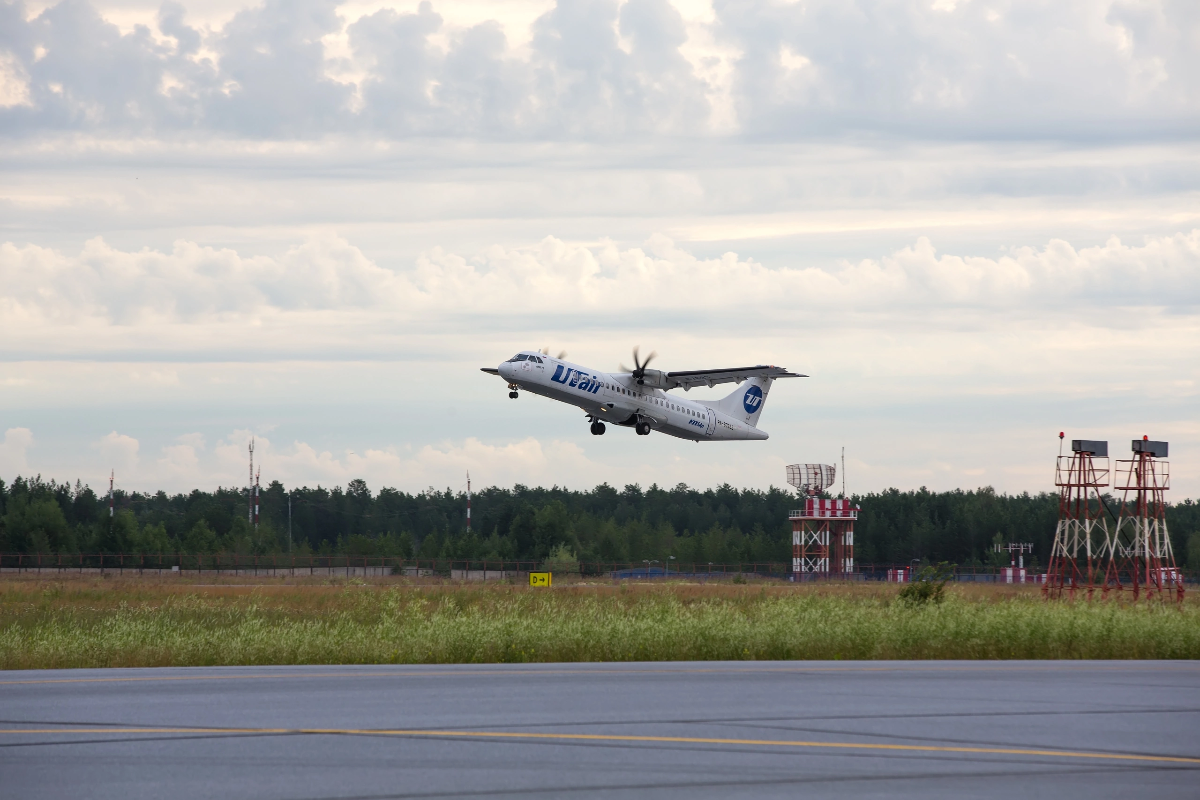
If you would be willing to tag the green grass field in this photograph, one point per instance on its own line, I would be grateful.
(140, 623)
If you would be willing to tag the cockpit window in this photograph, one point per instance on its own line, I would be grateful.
(518, 357)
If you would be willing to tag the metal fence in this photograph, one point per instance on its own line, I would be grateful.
(467, 569)
(454, 569)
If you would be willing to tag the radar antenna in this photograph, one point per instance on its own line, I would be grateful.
(812, 479)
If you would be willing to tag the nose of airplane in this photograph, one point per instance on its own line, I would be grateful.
(505, 370)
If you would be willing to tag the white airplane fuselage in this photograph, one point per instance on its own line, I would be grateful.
(617, 399)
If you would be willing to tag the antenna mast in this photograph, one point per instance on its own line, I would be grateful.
(468, 501)
(843, 470)
(250, 487)
(111, 475)
(256, 475)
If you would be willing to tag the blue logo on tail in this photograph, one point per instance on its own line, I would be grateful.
(752, 401)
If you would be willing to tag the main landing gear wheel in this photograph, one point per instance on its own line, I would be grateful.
(513, 395)
(643, 429)
(597, 429)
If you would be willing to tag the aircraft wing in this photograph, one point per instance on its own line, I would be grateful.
(711, 377)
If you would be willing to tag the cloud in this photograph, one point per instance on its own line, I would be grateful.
(13, 452)
(528, 461)
(966, 69)
(185, 466)
(594, 69)
(194, 284)
(120, 451)
(178, 461)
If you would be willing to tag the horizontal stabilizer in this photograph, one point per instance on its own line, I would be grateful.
(712, 377)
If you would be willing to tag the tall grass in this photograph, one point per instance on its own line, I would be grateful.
(47, 626)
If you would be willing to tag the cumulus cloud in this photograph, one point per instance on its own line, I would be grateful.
(601, 68)
(192, 282)
(955, 68)
(14, 450)
(197, 284)
(527, 460)
(184, 466)
(119, 451)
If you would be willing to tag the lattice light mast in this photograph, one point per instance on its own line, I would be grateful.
(1139, 550)
(823, 531)
(1082, 534)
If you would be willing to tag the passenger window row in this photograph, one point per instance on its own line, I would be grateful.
(656, 401)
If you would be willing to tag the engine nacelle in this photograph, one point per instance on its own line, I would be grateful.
(655, 379)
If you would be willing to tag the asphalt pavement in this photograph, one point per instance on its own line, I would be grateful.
(1065, 729)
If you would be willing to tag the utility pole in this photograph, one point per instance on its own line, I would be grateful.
(843, 470)
(468, 502)
(289, 523)
(111, 475)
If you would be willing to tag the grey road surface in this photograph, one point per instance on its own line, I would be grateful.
(696, 730)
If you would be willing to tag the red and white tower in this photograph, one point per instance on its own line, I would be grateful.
(250, 489)
(256, 476)
(822, 531)
(1139, 549)
(1015, 571)
(1082, 534)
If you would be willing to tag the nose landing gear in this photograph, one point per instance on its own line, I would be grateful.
(513, 395)
(512, 391)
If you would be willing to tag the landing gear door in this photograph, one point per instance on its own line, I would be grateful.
(712, 422)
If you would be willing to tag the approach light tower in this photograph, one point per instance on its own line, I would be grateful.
(1139, 549)
(1082, 535)
(1015, 571)
(822, 531)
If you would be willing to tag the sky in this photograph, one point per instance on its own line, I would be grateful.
(973, 223)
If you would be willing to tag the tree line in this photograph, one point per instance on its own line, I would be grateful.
(723, 525)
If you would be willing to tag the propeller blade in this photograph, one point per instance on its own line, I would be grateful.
(546, 351)
(639, 372)
(561, 355)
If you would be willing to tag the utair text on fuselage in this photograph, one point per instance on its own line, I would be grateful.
(640, 399)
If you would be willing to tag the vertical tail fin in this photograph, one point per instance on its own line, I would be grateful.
(747, 400)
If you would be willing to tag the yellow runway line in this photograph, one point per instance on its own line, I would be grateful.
(602, 737)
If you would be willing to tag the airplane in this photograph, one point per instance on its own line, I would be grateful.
(638, 398)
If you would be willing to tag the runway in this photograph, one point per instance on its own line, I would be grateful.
(663, 730)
